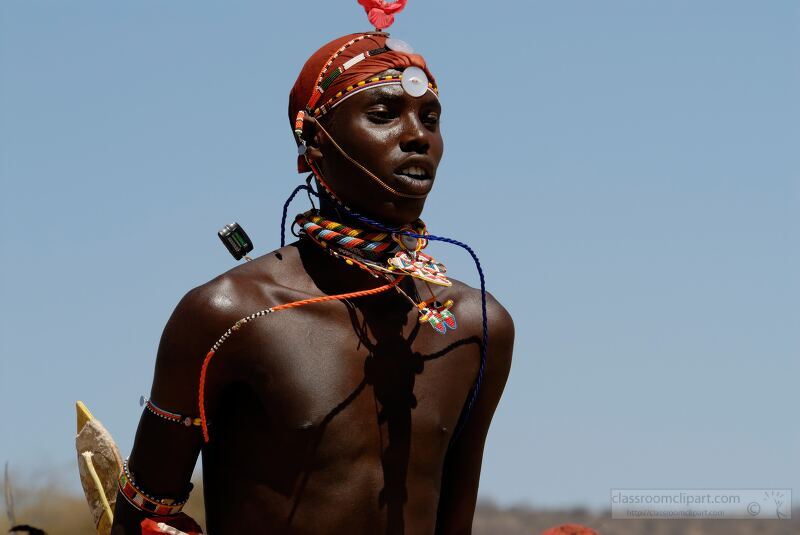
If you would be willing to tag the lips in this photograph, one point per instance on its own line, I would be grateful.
(414, 172)
(413, 186)
(415, 175)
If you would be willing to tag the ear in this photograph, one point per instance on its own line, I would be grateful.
(313, 138)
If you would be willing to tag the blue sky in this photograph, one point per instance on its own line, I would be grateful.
(628, 172)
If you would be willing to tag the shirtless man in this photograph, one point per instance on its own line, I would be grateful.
(337, 417)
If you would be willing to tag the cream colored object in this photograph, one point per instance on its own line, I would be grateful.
(99, 464)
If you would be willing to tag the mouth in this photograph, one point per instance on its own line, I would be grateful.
(416, 179)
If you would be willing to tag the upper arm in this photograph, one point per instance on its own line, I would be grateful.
(164, 452)
(461, 472)
(184, 342)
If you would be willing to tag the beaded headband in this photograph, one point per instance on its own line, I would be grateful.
(341, 96)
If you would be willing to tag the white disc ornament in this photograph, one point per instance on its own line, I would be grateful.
(398, 45)
(414, 81)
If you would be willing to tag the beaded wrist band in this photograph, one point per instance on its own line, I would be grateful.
(145, 502)
(188, 421)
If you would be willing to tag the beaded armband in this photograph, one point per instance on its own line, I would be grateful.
(188, 421)
(146, 502)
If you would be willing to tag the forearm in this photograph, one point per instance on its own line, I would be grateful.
(463, 527)
(461, 471)
(157, 475)
(127, 519)
(456, 510)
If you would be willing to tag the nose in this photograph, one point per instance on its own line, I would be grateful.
(414, 137)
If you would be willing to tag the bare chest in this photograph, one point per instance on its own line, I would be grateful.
(347, 382)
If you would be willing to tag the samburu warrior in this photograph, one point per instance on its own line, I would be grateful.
(343, 383)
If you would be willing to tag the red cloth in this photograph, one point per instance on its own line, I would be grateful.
(570, 529)
(181, 524)
(367, 68)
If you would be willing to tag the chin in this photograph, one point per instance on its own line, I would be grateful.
(371, 200)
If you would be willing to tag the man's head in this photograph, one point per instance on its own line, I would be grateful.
(376, 144)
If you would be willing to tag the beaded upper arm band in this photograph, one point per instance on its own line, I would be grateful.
(151, 407)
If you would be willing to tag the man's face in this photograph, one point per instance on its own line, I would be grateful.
(396, 137)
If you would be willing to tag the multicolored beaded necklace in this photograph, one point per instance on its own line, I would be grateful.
(387, 253)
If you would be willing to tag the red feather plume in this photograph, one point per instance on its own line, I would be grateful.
(381, 13)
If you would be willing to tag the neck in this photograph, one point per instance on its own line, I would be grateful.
(333, 276)
(386, 213)
(330, 209)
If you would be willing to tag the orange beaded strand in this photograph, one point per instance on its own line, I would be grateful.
(236, 326)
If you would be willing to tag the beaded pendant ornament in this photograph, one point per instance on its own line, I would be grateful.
(441, 317)
(368, 250)
(421, 266)
(411, 261)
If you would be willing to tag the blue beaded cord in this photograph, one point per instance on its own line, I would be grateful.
(473, 395)
(297, 190)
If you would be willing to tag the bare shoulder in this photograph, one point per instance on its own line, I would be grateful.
(205, 312)
(469, 300)
(240, 290)
(499, 321)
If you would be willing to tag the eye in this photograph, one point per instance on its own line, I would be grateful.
(430, 118)
(380, 115)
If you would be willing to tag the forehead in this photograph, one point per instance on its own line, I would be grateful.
(389, 94)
